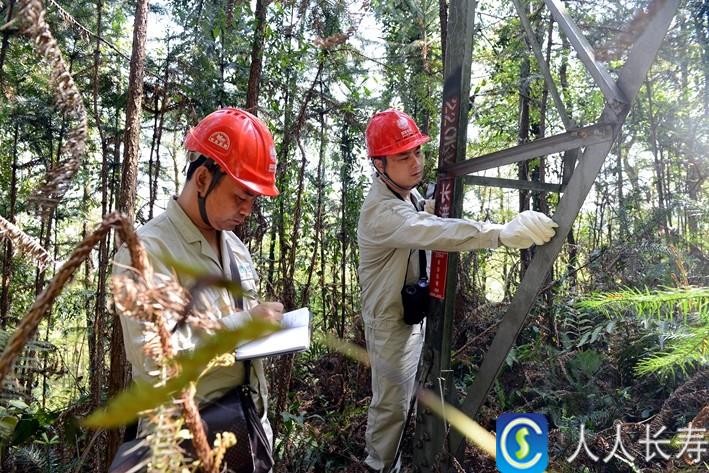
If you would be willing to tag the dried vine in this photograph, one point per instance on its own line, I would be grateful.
(44, 301)
(142, 297)
(68, 100)
(25, 243)
(165, 452)
(148, 300)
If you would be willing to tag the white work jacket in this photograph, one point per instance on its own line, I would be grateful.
(173, 234)
(388, 230)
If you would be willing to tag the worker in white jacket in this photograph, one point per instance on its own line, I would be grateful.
(232, 162)
(390, 231)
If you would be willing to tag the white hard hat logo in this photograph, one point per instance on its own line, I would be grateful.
(220, 139)
(274, 163)
(404, 126)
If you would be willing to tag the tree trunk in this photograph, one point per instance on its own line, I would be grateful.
(5, 42)
(621, 204)
(523, 137)
(658, 160)
(540, 199)
(161, 103)
(96, 322)
(297, 211)
(284, 287)
(152, 175)
(343, 265)
(569, 159)
(305, 298)
(252, 91)
(222, 68)
(7, 253)
(129, 176)
(443, 17)
(694, 173)
(120, 371)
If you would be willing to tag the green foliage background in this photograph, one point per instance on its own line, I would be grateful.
(591, 353)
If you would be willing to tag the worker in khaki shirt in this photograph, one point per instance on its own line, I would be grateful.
(232, 162)
(390, 231)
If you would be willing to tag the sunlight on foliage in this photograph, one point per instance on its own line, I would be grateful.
(473, 431)
(457, 419)
(684, 352)
(143, 396)
(652, 304)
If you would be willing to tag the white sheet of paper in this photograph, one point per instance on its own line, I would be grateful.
(294, 337)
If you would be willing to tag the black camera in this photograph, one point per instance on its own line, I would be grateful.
(415, 299)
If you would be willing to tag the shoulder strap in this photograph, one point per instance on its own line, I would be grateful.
(234, 268)
(422, 253)
(422, 265)
(239, 305)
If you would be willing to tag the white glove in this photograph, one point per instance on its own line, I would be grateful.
(429, 206)
(526, 229)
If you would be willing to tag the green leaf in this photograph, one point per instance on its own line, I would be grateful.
(143, 396)
(19, 403)
(7, 426)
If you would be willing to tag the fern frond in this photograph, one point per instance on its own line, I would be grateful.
(684, 351)
(687, 342)
(164, 440)
(667, 304)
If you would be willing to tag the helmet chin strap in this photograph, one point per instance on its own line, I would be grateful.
(388, 180)
(217, 175)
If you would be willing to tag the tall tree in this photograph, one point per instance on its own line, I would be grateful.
(5, 42)
(119, 374)
(7, 252)
(256, 57)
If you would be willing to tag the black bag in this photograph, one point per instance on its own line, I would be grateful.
(234, 412)
(415, 297)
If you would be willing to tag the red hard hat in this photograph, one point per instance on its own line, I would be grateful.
(392, 132)
(242, 146)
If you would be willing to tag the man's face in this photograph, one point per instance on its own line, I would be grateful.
(406, 169)
(229, 204)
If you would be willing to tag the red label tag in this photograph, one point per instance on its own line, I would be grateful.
(439, 270)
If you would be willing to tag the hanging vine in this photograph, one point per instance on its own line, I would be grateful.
(30, 15)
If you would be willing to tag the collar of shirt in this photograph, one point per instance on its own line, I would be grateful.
(189, 230)
(384, 193)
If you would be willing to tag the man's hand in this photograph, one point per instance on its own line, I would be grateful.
(429, 206)
(268, 311)
(526, 229)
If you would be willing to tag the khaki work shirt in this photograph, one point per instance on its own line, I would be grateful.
(387, 232)
(173, 234)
